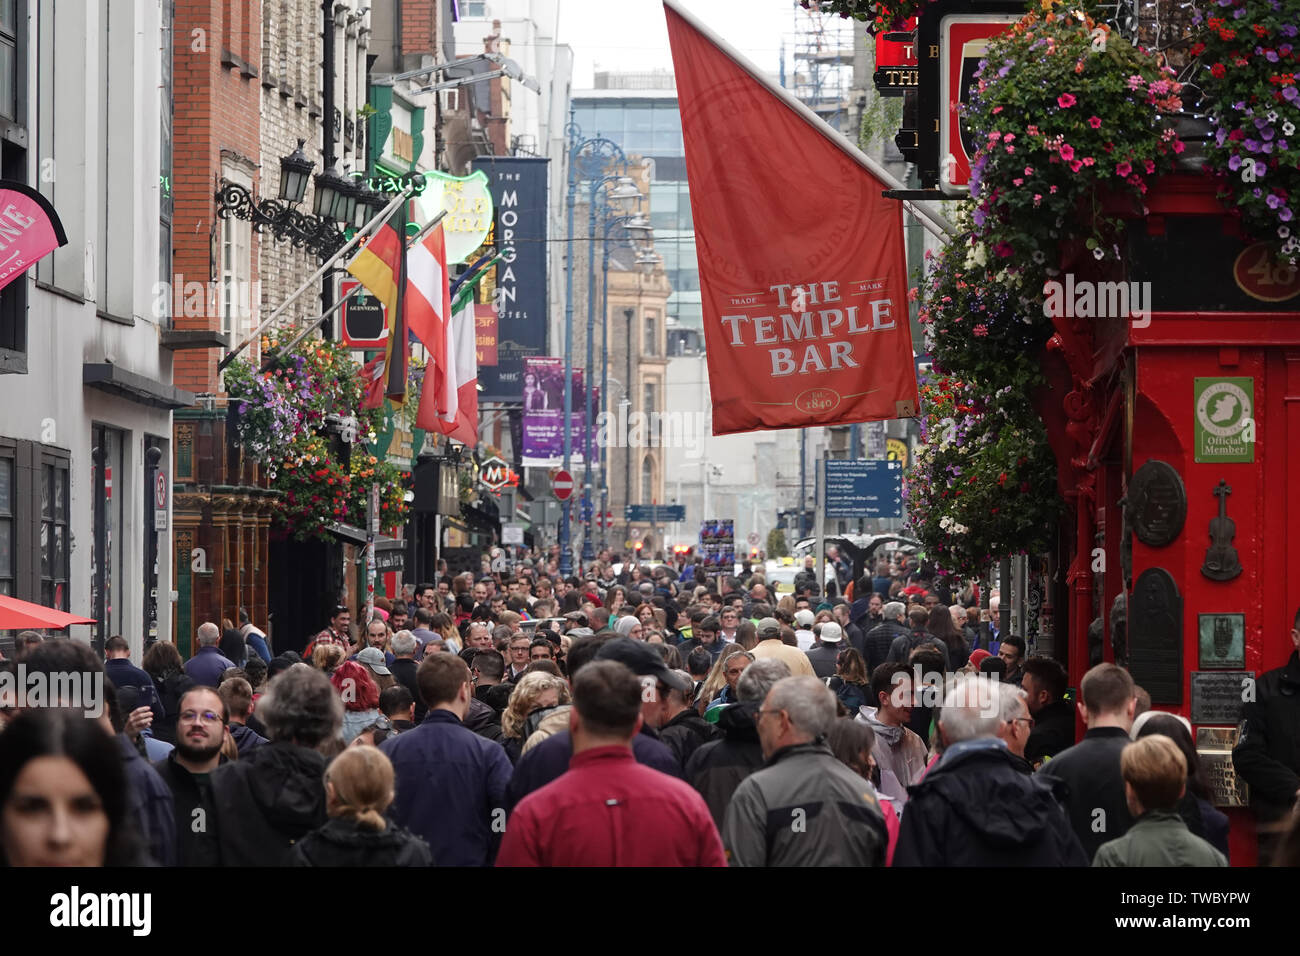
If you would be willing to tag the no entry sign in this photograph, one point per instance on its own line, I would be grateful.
(562, 484)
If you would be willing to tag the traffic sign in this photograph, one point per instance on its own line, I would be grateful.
(562, 485)
(160, 501)
(654, 514)
(752, 538)
(863, 488)
(494, 473)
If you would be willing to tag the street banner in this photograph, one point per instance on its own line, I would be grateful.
(518, 188)
(802, 269)
(29, 229)
(543, 415)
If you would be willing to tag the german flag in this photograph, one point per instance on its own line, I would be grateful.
(380, 266)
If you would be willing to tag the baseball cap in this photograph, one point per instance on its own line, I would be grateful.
(643, 660)
(374, 658)
(804, 618)
(831, 632)
(770, 627)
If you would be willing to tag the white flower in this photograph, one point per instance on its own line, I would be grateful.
(977, 256)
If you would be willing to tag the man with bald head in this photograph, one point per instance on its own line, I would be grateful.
(207, 666)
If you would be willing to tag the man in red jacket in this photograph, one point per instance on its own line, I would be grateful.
(609, 810)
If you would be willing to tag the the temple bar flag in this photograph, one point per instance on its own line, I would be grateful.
(802, 268)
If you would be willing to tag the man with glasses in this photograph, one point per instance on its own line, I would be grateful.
(519, 650)
(730, 621)
(200, 731)
(1017, 725)
(768, 822)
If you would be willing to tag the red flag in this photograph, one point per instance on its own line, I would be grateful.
(428, 310)
(372, 383)
(802, 269)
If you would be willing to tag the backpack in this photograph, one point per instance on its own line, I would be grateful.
(850, 695)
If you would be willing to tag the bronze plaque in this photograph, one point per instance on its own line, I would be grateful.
(1217, 696)
(1155, 636)
(1156, 504)
(1214, 747)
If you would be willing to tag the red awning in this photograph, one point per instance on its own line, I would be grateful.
(15, 614)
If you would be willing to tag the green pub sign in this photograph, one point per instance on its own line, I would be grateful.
(1225, 419)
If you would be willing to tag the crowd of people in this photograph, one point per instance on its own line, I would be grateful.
(659, 715)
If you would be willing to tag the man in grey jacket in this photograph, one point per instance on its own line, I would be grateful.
(804, 808)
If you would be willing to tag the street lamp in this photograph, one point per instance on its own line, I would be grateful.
(328, 186)
(295, 169)
(594, 155)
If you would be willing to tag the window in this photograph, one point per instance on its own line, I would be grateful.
(473, 8)
(647, 479)
(237, 302)
(9, 59)
(165, 152)
(7, 526)
(35, 510)
(651, 398)
(108, 484)
(651, 326)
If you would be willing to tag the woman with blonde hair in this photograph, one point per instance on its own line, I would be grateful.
(786, 604)
(445, 627)
(536, 695)
(718, 681)
(746, 635)
(327, 657)
(358, 789)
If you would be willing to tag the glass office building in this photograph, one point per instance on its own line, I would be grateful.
(644, 121)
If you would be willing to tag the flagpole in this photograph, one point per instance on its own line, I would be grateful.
(938, 225)
(315, 276)
(315, 323)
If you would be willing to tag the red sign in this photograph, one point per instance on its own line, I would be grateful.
(29, 230)
(803, 279)
(160, 491)
(562, 484)
(963, 41)
(485, 334)
(897, 52)
(1261, 275)
(365, 322)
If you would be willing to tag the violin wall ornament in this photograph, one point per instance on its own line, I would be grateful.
(1221, 562)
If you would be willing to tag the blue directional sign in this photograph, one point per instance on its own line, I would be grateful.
(862, 488)
(654, 514)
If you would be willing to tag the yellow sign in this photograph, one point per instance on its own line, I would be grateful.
(896, 450)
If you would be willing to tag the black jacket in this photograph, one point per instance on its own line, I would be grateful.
(878, 641)
(978, 808)
(340, 842)
(1094, 795)
(685, 732)
(267, 801)
(404, 671)
(196, 833)
(1053, 731)
(484, 721)
(823, 658)
(717, 767)
(1267, 755)
(170, 690)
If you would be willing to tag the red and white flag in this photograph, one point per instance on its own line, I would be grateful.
(802, 267)
(461, 420)
(428, 311)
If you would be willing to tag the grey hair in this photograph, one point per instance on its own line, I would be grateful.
(209, 634)
(301, 706)
(759, 677)
(972, 709)
(893, 611)
(809, 703)
(403, 644)
(1012, 696)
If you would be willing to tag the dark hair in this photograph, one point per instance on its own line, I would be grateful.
(116, 643)
(1048, 674)
(395, 700)
(1106, 689)
(583, 651)
(919, 616)
(440, 678)
(162, 660)
(607, 696)
(465, 602)
(993, 665)
(256, 670)
(63, 654)
(930, 658)
(52, 732)
(882, 679)
(699, 662)
(541, 642)
(940, 624)
(490, 664)
(1197, 781)
(849, 739)
(545, 666)
(233, 646)
(850, 665)
(672, 656)
(1017, 642)
(710, 623)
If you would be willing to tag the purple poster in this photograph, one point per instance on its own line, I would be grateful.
(543, 416)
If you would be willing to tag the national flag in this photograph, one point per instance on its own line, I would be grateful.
(372, 382)
(456, 414)
(428, 308)
(802, 267)
(380, 266)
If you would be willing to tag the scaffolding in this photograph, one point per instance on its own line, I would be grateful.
(823, 63)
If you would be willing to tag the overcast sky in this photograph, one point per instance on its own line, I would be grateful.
(632, 35)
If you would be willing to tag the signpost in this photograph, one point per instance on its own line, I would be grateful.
(862, 488)
(654, 514)
(160, 501)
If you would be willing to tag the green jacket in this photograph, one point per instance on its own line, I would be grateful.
(1158, 838)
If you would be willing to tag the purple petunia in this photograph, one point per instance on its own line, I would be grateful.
(1272, 201)
(1285, 214)
(1271, 56)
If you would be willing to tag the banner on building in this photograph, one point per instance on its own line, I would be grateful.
(29, 230)
(803, 278)
(518, 188)
(543, 415)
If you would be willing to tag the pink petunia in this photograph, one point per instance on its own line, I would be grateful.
(1011, 149)
(1123, 169)
(980, 330)
(1017, 181)
(1094, 122)
(1067, 152)
(1066, 100)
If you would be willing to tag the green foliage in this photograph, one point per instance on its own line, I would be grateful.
(776, 546)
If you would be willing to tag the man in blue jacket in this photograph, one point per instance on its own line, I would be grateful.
(207, 666)
(451, 782)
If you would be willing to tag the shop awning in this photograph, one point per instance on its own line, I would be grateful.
(118, 381)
